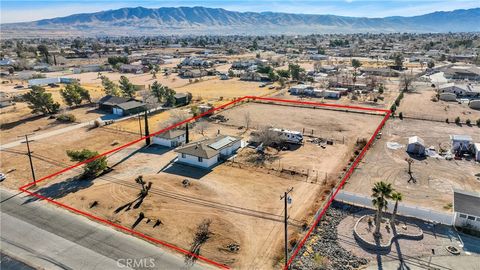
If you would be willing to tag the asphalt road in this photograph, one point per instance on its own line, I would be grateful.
(45, 236)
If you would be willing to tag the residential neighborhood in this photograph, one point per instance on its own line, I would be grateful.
(203, 137)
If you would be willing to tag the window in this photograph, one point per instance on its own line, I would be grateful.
(471, 217)
(184, 155)
(200, 159)
(463, 216)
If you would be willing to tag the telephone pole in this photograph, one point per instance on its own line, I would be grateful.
(30, 157)
(140, 125)
(286, 200)
(147, 132)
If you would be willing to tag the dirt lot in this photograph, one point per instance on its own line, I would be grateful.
(436, 178)
(49, 154)
(419, 104)
(219, 194)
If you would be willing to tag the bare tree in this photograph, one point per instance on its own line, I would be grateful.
(201, 236)
(406, 82)
(201, 126)
(267, 137)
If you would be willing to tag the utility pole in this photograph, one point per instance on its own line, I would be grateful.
(140, 125)
(147, 133)
(30, 158)
(286, 200)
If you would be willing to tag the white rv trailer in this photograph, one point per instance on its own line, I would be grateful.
(289, 136)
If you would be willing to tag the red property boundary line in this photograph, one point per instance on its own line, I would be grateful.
(24, 188)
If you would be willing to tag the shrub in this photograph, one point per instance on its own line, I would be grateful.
(468, 122)
(447, 121)
(66, 117)
(400, 115)
(457, 120)
(478, 122)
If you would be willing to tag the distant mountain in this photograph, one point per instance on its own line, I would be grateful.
(201, 20)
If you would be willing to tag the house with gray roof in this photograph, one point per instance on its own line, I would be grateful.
(208, 152)
(170, 138)
(466, 209)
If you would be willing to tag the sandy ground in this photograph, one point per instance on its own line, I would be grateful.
(436, 178)
(49, 155)
(219, 195)
(419, 104)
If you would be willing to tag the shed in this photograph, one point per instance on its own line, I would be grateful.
(461, 143)
(476, 151)
(416, 146)
(465, 207)
(182, 99)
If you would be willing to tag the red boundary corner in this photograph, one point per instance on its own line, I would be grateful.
(178, 249)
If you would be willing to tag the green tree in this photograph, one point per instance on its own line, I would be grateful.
(295, 71)
(44, 51)
(355, 64)
(74, 94)
(381, 191)
(283, 73)
(158, 91)
(397, 197)
(40, 101)
(398, 58)
(126, 87)
(109, 87)
(92, 168)
(431, 64)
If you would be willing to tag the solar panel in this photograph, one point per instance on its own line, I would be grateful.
(222, 142)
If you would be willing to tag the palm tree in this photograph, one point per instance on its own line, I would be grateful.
(397, 197)
(381, 192)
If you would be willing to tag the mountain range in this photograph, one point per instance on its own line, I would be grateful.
(202, 20)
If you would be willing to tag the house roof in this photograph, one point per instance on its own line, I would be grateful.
(466, 202)
(112, 100)
(208, 148)
(180, 95)
(130, 105)
(171, 134)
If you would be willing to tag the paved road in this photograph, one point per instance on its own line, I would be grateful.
(45, 135)
(48, 237)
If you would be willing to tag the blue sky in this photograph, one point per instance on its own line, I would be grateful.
(28, 10)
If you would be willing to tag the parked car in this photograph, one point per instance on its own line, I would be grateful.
(2, 177)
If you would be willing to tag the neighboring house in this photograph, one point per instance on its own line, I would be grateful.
(460, 90)
(474, 104)
(416, 146)
(463, 73)
(135, 69)
(107, 103)
(384, 72)
(193, 73)
(301, 89)
(129, 108)
(461, 143)
(47, 81)
(170, 138)
(253, 76)
(326, 93)
(208, 152)
(182, 99)
(466, 209)
(476, 151)
(91, 68)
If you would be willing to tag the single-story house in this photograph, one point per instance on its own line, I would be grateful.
(107, 102)
(301, 89)
(135, 69)
(170, 138)
(208, 152)
(327, 93)
(461, 143)
(193, 73)
(465, 207)
(463, 73)
(476, 151)
(416, 146)
(474, 104)
(384, 72)
(448, 97)
(129, 107)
